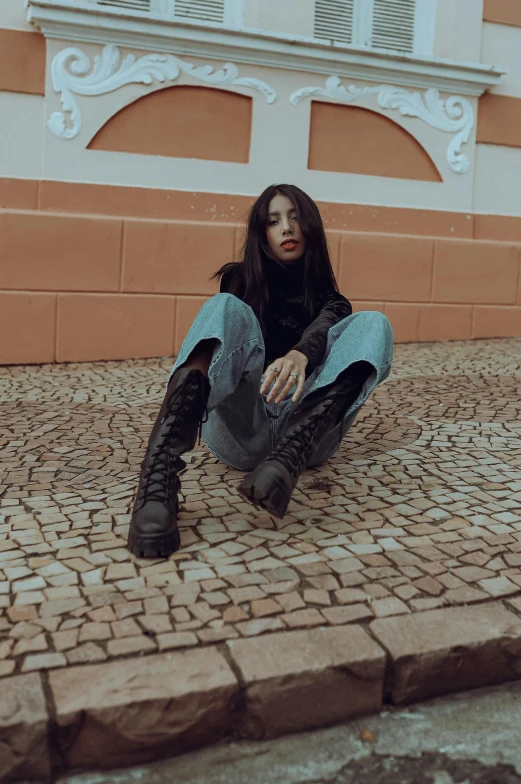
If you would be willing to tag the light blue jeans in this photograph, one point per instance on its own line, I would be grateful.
(242, 427)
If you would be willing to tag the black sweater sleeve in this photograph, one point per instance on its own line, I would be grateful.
(313, 343)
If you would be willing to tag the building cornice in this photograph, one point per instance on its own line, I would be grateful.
(72, 20)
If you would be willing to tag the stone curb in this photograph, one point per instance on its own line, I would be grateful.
(442, 651)
(137, 709)
(306, 679)
(24, 729)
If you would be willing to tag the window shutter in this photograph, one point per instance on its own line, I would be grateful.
(334, 20)
(205, 10)
(134, 5)
(394, 25)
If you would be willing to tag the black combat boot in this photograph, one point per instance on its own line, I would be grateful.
(153, 526)
(272, 482)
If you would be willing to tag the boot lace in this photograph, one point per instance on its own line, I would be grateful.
(293, 448)
(156, 484)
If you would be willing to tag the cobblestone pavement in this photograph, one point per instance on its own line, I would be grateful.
(419, 509)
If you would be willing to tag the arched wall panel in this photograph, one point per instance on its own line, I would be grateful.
(182, 122)
(360, 141)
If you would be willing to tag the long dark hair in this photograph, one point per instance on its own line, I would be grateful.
(319, 278)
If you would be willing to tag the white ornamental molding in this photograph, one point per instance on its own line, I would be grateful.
(73, 74)
(454, 115)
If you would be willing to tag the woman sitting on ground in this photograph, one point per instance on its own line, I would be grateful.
(272, 373)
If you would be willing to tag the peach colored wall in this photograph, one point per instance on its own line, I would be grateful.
(79, 288)
(182, 122)
(435, 289)
(22, 62)
(154, 203)
(352, 139)
(94, 265)
(499, 120)
(89, 198)
(507, 12)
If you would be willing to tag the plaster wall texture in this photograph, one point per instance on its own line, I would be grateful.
(12, 15)
(501, 43)
(375, 199)
(21, 139)
(459, 29)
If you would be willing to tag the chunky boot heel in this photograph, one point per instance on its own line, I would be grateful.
(271, 484)
(157, 536)
(269, 487)
(153, 526)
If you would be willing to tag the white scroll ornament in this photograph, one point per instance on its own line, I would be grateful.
(73, 74)
(453, 115)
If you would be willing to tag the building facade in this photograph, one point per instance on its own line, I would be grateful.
(135, 135)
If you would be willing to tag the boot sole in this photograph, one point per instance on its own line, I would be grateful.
(264, 489)
(154, 547)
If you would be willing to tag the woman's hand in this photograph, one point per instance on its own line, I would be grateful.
(282, 372)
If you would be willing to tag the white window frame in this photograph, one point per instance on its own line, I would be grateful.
(77, 20)
(233, 11)
(424, 25)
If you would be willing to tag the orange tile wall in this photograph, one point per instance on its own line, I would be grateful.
(85, 287)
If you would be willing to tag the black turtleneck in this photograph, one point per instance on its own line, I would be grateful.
(287, 324)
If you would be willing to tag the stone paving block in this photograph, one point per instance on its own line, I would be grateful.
(24, 749)
(122, 713)
(431, 466)
(304, 679)
(350, 614)
(452, 649)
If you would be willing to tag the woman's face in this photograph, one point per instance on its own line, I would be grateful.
(283, 232)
